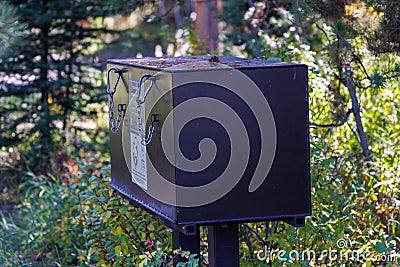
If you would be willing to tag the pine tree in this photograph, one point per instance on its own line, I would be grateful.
(51, 73)
(11, 30)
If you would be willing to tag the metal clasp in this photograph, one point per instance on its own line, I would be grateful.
(114, 125)
(142, 79)
(139, 101)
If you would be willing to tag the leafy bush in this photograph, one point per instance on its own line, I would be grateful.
(355, 199)
(353, 221)
(76, 219)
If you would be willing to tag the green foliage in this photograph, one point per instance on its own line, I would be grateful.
(11, 30)
(76, 219)
(353, 199)
(118, 232)
(159, 258)
(347, 207)
(51, 81)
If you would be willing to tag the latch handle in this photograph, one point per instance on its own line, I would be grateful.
(114, 125)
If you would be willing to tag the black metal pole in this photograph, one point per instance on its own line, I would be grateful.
(223, 245)
(186, 243)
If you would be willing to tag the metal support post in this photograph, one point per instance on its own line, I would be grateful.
(223, 245)
(186, 243)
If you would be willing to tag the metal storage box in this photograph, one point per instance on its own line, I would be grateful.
(211, 139)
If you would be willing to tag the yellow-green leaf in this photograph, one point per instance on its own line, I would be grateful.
(118, 231)
(125, 248)
(150, 227)
(118, 250)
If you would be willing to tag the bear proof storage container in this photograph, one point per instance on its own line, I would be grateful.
(200, 140)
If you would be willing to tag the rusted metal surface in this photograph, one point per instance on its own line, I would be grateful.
(191, 63)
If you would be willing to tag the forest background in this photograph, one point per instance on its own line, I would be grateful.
(56, 206)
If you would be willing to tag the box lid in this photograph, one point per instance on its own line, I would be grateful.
(194, 63)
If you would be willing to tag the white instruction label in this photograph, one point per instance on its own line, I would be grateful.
(138, 155)
(132, 105)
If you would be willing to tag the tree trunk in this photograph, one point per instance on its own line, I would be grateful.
(45, 134)
(363, 140)
(206, 23)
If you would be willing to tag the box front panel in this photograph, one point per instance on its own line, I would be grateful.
(243, 138)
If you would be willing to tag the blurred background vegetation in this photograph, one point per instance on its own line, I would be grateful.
(56, 208)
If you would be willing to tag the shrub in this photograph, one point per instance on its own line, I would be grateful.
(76, 219)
